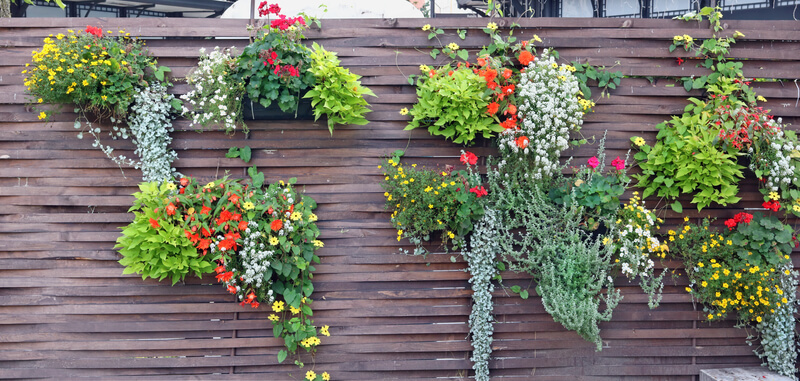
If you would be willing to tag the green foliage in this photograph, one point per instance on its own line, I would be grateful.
(243, 153)
(764, 242)
(154, 244)
(269, 79)
(570, 267)
(605, 79)
(452, 102)
(427, 201)
(687, 159)
(99, 74)
(338, 93)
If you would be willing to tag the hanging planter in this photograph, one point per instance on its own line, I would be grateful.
(255, 111)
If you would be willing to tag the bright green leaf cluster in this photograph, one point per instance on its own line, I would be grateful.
(337, 93)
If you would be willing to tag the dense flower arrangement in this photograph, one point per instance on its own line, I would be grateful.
(216, 97)
(260, 242)
(740, 269)
(274, 68)
(426, 201)
(108, 78)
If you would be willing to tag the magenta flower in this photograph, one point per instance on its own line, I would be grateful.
(618, 164)
(593, 162)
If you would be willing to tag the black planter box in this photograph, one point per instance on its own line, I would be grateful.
(255, 111)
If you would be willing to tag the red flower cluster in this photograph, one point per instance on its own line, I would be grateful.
(479, 192)
(286, 70)
(264, 9)
(283, 23)
(618, 163)
(772, 205)
(502, 86)
(737, 219)
(469, 158)
(98, 32)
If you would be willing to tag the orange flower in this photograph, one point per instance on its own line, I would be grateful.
(431, 73)
(154, 223)
(492, 85)
(507, 73)
(492, 108)
(511, 109)
(276, 225)
(481, 61)
(243, 225)
(232, 289)
(522, 142)
(171, 209)
(490, 75)
(184, 181)
(525, 57)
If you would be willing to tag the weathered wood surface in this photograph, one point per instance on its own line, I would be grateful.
(67, 311)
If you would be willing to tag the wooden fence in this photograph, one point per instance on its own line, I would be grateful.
(67, 312)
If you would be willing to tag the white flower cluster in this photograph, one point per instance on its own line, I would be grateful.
(150, 123)
(549, 109)
(781, 164)
(636, 244)
(481, 260)
(255, 259)
(216, 96)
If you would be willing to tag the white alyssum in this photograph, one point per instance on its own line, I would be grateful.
(549, 109)
(256, 260)
(216, 97)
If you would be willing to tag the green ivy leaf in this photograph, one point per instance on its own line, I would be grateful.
(282, 355)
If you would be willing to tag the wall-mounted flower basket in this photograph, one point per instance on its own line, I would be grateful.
(255, 111)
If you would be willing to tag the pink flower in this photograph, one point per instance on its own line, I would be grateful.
(618, 164)
(593, 162)
(469, 158)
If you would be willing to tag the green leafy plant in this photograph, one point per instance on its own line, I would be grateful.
(453, 103)
(337, 92)
(154, 244)
(243, 153)
(687, 158)
(604, 78)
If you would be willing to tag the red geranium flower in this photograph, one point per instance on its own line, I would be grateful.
(94, 31)
(205, 209)
(479, 192)
(469, 158)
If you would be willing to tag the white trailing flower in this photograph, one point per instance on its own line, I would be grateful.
(549, 108)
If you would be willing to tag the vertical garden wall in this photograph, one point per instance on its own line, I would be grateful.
(66, 310)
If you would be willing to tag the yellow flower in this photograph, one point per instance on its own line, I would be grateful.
(42, 115)
(704, 284)
(639, 141)
(710, 316)
(209, 185)
(430, 206)
(324, 330)
(700, 264)
(248, 206)
(296, 216)
(796, 208)
(677, 38)
(404, 111)
(326, 376)
(774, 196)
(273, 317)
(273, 241)
(451, 235)
(293, 310)
(491, 26)
(278, 306)
(312, 217)
(424, 68)
(318, 243)
(536, 38)
(688, 289)
(452, 46)
(171, 186)
(310, 375)
(426, 27)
